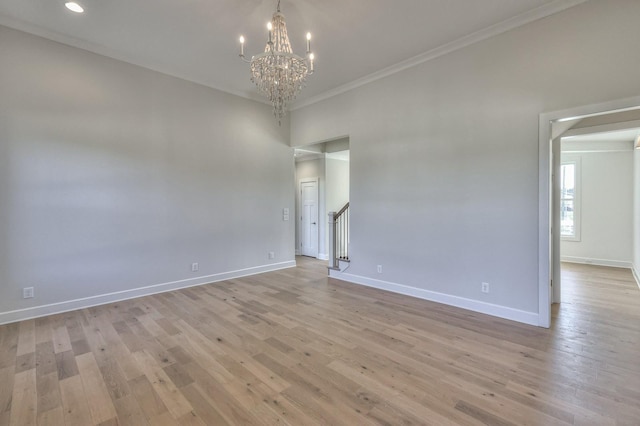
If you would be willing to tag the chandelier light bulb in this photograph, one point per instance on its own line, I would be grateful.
(277, 72)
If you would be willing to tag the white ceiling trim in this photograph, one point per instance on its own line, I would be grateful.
(603, 128)
(494, 30)
(535, 14)
(110, 53)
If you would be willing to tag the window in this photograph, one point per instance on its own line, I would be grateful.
(570, 199)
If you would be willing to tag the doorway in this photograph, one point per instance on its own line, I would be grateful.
(328, 164)
(608, 117)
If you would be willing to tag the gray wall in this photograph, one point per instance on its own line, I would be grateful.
(606, 210)
(444, 155)
(636, 214)
(337, 192)
(113, 177)
(337, 184)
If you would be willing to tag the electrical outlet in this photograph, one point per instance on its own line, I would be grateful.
(272, 255)
(27, 292)
(485, 287)
(379, 269)
(195, 267)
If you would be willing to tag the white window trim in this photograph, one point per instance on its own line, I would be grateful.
(577, 198)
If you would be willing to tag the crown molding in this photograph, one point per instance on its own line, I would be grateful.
(494, 30)
(502, 27)
(101, 50)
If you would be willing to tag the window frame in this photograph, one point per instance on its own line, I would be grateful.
(576, 162)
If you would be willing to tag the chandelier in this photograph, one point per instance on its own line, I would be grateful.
(278, 72)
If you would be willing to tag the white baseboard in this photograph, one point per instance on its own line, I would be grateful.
(297, 252)
(636, 275)
(323, 256)
(525, 317)
(597, 262)
(101, 299)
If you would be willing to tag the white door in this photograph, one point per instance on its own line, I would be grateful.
(309, 218)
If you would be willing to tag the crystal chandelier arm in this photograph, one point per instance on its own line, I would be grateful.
(279, 54)
(242, 50)
(277, 72)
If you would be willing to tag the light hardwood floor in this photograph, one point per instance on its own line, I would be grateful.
(294, 347)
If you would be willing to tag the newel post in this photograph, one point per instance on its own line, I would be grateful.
(333, 260)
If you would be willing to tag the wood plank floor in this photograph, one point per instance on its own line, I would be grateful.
(294, 347)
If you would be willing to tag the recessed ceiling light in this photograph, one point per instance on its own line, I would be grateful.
(74, 7)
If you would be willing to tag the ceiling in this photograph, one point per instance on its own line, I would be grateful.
(611, 131)
(601, 141)
(197, 40)
(627, 135)
(301, 154)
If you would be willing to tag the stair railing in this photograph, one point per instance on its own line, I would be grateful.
(339, 237)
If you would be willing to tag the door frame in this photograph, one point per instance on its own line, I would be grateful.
(547, 255)
(300, 210)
